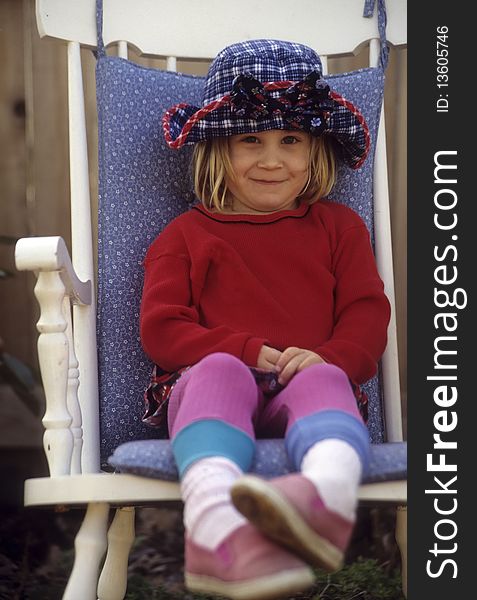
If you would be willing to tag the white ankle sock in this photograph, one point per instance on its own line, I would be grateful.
(334, 467)
(209, 515)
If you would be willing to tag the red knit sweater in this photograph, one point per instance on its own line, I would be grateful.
(231, 283)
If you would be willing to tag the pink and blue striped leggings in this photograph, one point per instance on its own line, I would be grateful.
(217, 409)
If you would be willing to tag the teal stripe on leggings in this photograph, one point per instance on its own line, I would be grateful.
(211, 437)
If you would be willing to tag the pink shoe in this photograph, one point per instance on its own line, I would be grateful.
(290, 511)
(246, 566)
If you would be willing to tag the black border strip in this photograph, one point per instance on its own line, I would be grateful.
(442, 352)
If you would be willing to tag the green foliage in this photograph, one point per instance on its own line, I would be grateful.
(365, 579)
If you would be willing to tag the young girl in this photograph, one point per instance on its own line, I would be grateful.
(263, 308)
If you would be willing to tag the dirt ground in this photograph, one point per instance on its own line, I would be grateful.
(36, 551)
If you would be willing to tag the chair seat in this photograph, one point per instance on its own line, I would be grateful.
(153, 458)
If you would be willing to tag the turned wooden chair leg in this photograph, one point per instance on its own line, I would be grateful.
(401, 538)
(113, 579)
(90, 546)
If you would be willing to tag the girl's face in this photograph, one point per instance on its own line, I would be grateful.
(271, 169)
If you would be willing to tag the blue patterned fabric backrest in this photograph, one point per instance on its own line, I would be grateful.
(142, 186)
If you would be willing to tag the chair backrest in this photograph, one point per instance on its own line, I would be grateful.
(143, 184)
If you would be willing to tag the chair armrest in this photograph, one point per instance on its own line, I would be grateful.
(56, 289)
(50, 254)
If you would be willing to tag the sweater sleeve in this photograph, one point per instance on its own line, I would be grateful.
(171, 333)
(362, 310)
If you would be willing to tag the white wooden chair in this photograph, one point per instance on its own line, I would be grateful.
(67, 346)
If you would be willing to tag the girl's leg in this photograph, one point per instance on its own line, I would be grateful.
(328, 442)
(210, 423)
(212, 411)
(317, 404)
(325, 436)
(211, 416)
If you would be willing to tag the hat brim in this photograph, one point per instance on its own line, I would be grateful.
(185, 124)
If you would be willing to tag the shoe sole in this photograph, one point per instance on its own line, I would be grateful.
(269, 587)
(278, 519)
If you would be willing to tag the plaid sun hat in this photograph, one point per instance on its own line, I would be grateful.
(259, 85)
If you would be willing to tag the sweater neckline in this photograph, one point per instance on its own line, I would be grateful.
(254, 218)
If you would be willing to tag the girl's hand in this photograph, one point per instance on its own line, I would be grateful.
(267, 358)
(293, 360)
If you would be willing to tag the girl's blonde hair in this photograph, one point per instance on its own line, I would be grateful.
(212, 166)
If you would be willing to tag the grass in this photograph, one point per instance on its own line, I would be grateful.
(365, 579)
(36, 557)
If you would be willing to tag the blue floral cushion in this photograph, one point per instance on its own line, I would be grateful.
(143, 184)
(154, 458)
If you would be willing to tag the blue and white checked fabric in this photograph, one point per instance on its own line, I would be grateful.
(268, 61)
